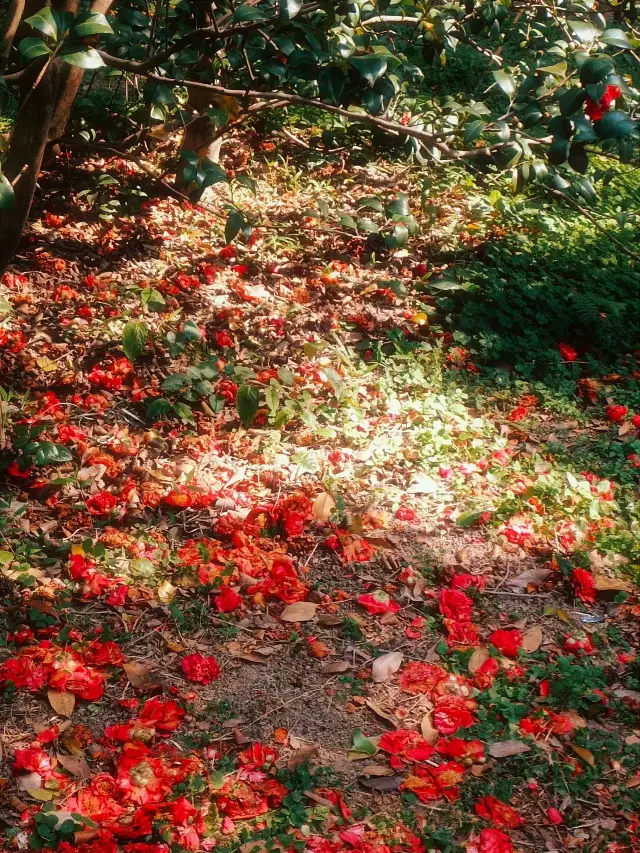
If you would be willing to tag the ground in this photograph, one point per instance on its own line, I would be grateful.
(305, 543)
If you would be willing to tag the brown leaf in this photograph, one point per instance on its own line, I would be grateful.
(383, 783)
(377, 770)
(506, 748)
(335, 667)
(378, 711)
(323, 507)
(44, 607)
(530, 576)
(578, 721)
(62, 703)
(479, 656)
(603, 583)
(429, 733)
(385, 666)
(532, 639)
(585, 754)
(302, 754)
(327, 620)
(76, 765)
(301, 611)
(141, 677)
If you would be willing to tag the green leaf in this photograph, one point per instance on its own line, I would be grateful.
(583, 30)
(578, 159)
(176, 382)
(7, 195)
(467, 519)
(615, 124)
(247, 402)
(191, 331)
(48, 453)
(399, 237)
(473, 130)
(445, 284)
(81, 57)
(595, 69)
(44, 22)
(289, 9)
(183, 411)
(506, 82)
(272, 396)
(571, 100)
(91, 24)
(331, 82)
(559, 151)
(248, 13)
(235, 224)
(585, 189)
(248, 182)
(152, 299)
(399, 206)
(31, 48)
(134, 338)
(371, 67)
(616, 38)
(363, 744)
(133, 17)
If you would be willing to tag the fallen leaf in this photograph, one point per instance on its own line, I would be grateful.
(479, 656)
(383, 783)
(532, 639)
(560, 614)
(422, 484)
(585, 754)
(326, 620)
(76, 765)
(166, 592)
(301, 611)
(429, 733)
(506, 748)
(376, 770)
(141, 677)
(389, 718)
(575, 718)
(603, 583)
(385, 666)
(323, 507)
(335, 667)
(62, 703)
(302, 754)
(530, 576)
(43, 795)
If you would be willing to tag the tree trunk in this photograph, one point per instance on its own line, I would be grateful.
(9, 29)
(22, 167)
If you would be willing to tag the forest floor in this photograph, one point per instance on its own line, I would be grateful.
(285, 567)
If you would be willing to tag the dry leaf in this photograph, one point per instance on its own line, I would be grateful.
(377, 770)
(530, 576)
(326, 620)
(506, 748)
(302, 754)
(385, 666)
(323, 507)
(585, 754)
(479, 656)
(335, 667)
(602, 583)
(141, 677)
(62, 703)
(575, 718)
(301, 611)
(383, 783)
(532, 639)
(429, 733)
(43, 795)
(76, 765)
(166, 592)
(384, 715)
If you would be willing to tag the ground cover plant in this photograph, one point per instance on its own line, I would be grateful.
(320, 449)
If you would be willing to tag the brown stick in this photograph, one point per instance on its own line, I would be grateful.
(9, 27)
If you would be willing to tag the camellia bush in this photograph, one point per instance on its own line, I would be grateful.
(561, 81)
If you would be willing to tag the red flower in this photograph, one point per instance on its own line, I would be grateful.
(200, 669)
(635, 420)
(228, 600)
(102, 503)
(405, 513)
(568, 352)
(224, 339)
(378, 602)
(579, 644)
(555, 816)
(103, 654)
(464, 581)
(406, 743)
(517, 414)
(418, 677)
(596, 109)
(33, 759)
(455, 604)
(26, 674)
(293, 523)
(452, 713)
(460, 633)
(584, 584)
(616, 413)
(469, 751)
(507, 641)
(491, 841)
(499, 813)
(162, 714)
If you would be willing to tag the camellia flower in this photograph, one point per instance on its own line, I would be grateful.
(491, 841)
(162, 714)
(584, 584)
(378, 602)
(579, 644)
(517, 414)
(228, 600)
(467, 751)
(507, 641)
(102, 503)
(616, 413)
(200, 669)
(418, 677)
(455, 604)
(596, 109)
(224, 339)
(406, 743)
(568, 352)
(452, 713)
(499, 813)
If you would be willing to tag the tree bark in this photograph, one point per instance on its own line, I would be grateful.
(9, 29)
(22, 167)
